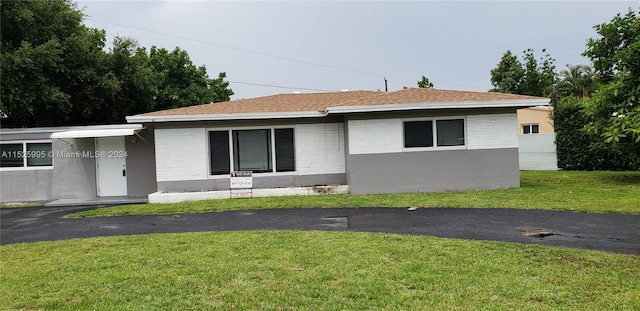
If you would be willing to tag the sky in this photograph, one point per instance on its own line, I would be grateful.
(271, 48)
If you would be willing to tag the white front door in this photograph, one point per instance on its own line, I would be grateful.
(111, 166)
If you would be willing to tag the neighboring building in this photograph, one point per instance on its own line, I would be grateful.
(411, 140)
(537, 139)
(77, 163)
(535, 120)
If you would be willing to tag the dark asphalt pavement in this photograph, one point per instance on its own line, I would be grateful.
(606, 232)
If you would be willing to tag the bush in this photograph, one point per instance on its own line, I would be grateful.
(579, 151)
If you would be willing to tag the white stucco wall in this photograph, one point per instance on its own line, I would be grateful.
(320, 148)
(181, 154)
(492, 131)
(375, 136)
(487, 131)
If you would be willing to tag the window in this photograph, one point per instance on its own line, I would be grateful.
(285, 152)
(252, 151)
(23, 154)
(256, 150)
(530, 129)
(219, 152)
(450, 132)
(447, 132)
(418, 134)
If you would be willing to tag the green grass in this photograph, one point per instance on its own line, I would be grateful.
(21, 204)
(596, 192)
(291, 270)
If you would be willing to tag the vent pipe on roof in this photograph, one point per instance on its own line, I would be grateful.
(385, 84)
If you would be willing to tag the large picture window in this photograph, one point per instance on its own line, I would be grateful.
(256, 150)
(25, 155)
(252, 151)
(434, 133)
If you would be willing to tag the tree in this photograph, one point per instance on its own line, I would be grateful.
(54, 68)
(56, 71)
(532, 77)
(507, 76)
(138, 83)
(576, 80)
(424, 83)
(615, 107)
(182, 83)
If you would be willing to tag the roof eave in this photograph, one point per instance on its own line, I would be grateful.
(223, 117)
(440, 105)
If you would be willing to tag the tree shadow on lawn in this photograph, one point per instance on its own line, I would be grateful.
(623, 178)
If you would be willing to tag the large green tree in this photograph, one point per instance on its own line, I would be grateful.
(615, 54)
(56, 71)
(530, 77)
(182, 83)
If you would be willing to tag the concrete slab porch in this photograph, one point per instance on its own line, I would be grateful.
(97, 201)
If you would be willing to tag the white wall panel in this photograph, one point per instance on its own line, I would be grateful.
(181, 154)
(538, 152)
(375, 136)
(320, 148)
(492, 131)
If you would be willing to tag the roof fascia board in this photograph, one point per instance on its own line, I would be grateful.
(38, 130)
(96, 133)
(440, 105)
(223, 117)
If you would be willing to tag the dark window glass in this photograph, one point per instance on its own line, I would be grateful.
(252, 151)
(526, 129)
(11, 155)
(450, 132)
(418, 134)
(39, 154)
(285, 152)
(219, 151)
(535, 129)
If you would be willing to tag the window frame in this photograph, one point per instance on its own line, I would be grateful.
(434, 132)
(272, 143)
(530, 126)
(25, 166)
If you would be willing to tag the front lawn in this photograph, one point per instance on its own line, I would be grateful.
(597, 192)
(291, 270)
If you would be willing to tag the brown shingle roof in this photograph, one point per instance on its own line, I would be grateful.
(322, 101)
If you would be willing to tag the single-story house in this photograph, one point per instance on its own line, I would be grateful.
(411, 140)
(77, 163)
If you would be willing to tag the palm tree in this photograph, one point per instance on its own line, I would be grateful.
(577, 80)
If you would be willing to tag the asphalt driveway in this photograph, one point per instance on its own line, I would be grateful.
(606, 232)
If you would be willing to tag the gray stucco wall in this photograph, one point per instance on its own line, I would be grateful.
(432, 171)
(258, 182)
(141, 164)
(26, 185)
(74, 177)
